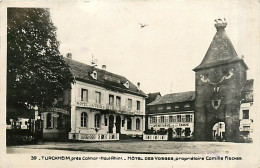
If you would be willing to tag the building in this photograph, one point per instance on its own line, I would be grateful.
(247, 112)
(219, 80)
(150, 98)
(172, 114)
(102, 106)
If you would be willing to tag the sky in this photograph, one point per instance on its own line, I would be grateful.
(162, 54)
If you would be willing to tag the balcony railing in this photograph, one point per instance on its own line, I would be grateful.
(99, 137)
(123, 110)
(151, 137)
(115, 108)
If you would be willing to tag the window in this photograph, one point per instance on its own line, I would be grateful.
(170, 119)
(105, 121)
(84, 95)
(123, 123)
(183, 119)
(154, 119)
(166, 119)
(188, 118)
(97, 121)
(94, 74)
(215, 103)
(176, 107)
(174, 119)
(187, 105)
(245, 114)
(126, 84)
(60, 121)
(98, 97)
(137, 124)
(169, 107)
(130, 104)
(111, 99)
(152, 108)
(118, 101)
(83, 120)
(129, 123)
(178, 118)
(49, 120)
(137, 105)
(160, 107)
(246, 128)
(162, 119)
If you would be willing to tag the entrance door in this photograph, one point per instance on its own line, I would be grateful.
(187, 132)
(111, 124)
(178, 132)
(118, 124)
(218, 131)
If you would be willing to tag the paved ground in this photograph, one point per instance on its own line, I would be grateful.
(136, 146)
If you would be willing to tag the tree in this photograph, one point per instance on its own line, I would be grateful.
(36, 71)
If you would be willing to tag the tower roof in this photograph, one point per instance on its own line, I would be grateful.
(221, 50)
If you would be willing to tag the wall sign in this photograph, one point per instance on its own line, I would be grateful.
(91, 105)
(57, 110)
(172, 125)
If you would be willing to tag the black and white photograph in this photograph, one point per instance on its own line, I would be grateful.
(130, 83)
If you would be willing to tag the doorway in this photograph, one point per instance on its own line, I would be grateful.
(118, 124)
(218, 131)
(111, 124)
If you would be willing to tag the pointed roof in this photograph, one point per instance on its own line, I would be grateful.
(221, 50)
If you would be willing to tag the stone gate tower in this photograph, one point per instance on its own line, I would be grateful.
(219, 81)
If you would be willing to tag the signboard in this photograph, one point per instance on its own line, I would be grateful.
(180, 125)
(91, 105)
(58, 110)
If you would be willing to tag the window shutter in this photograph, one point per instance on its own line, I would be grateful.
(91, 96)
(103, 98)
(126, 103)
(55, 122)
(78, 94)
(45, 120)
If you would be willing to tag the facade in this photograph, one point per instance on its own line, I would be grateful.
(103, 105)
(247, 112)
(150, 98)
(172, 114)
(219, 80)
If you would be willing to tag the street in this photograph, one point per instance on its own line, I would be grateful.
(136, 146)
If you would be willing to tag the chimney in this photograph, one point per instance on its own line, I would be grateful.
(138, 85)
(69, 55)
(104, 67)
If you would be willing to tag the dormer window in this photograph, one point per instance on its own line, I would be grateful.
(94, 74)
(187, 105)
(126, 84)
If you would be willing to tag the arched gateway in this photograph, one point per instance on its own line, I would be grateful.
(219, 80)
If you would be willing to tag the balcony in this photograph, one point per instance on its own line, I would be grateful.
(123, 110)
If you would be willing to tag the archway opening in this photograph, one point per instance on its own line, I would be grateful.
(218, 131)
